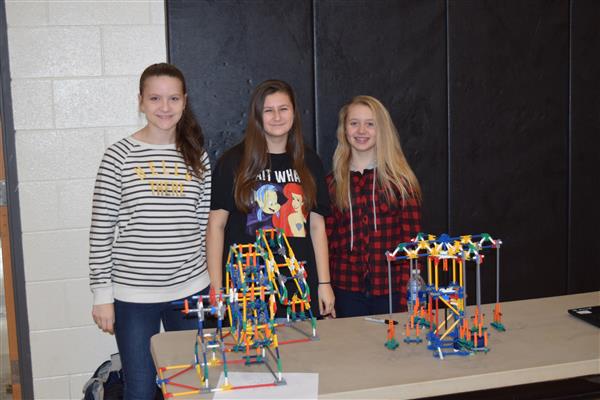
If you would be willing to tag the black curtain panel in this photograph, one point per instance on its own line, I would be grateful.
(508, 98)
(226, 48)
(396, 52)
(496, 104)
(584, 142)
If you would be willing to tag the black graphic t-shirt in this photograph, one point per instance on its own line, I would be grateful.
(278, 203)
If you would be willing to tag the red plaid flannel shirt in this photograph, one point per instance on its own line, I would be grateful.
(395, 224)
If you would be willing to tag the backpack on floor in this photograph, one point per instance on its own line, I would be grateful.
(107, 381)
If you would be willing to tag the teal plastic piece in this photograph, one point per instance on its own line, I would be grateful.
(498, 326)
(392, 344)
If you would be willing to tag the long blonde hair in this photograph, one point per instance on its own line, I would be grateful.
(393, 172)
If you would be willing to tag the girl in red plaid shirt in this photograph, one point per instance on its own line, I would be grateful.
(375, 206)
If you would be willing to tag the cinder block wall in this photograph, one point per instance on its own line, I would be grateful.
(74, 69)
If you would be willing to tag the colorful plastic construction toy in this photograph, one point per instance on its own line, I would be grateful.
(287, 277)
(456, 333)
(258, 276)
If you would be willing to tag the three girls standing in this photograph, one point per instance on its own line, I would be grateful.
(153, 240)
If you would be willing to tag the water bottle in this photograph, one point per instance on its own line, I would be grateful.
(415, 288)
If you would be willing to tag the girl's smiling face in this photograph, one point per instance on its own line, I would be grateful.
(163, 102)
(361, 130)
(277, 115)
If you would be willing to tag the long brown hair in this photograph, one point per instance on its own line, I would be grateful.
(188, 134)
(255, 157)
(393, 172)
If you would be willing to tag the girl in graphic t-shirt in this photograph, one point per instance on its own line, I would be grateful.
(375, 206)
(251, 184)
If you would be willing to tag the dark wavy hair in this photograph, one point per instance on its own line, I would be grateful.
(188, 134)
(255, 157)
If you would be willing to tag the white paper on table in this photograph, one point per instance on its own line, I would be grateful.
(298, 386)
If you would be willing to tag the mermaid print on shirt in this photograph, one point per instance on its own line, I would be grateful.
(278, 203)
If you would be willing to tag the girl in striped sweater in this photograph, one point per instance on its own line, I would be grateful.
(147, 237)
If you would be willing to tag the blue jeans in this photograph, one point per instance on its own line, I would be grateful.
(135, 324)
(355, 304)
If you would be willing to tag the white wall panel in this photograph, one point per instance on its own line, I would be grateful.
(39, 206)
(32, 104)
(46, 304)
(157, 12)
(75, 203)
(112, 135)
(55, 51)
(78, 303)
(75, 68)
(95, 102)
(127, 48)
(65, 154)
(52, 388)
(69, 351)
(98, 12)
(21, 13)
(61, 254)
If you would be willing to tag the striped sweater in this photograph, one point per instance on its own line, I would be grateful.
(149, 216)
